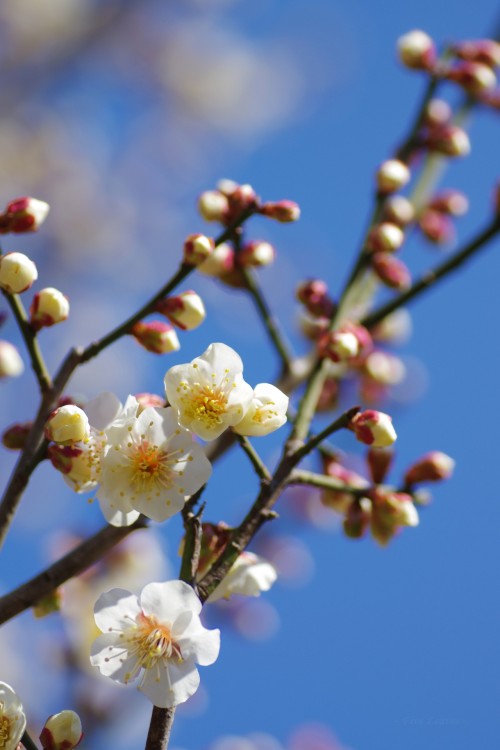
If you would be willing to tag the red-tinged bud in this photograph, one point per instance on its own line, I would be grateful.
(11, 364)
(474, 77)
(391, 510)
(433, 467)
(23, 215)
(48, 605)
(220, 262)
(329, 395)
(156, 337)
(14, 438)
(417, 50)
(344, 344)
(241, 199)
(339, 500)
(17, 273)
(385, 237)
(62, 731)
(186, 310)
(451, 202)
(398, 210)
(437, 113)
(391, 271)
(48, 307)
(213, 206)
(373, 428)
(313, 294)
(257, 253)
(283, 211)
(214, 539)
(62, 457)
(436, 226)
(197, 249)
(149, 399)
(485, 51)
(67, 424)
(449, 140)
(384, 368)
(392, 175)
(379, 462)
(358, 518)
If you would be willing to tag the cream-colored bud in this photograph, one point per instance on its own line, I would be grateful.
(416, 49)
(213, 205)
(11, 364)
(67, 424)
(62, 731)
(392, 175)
(49, 306)
(17, 272)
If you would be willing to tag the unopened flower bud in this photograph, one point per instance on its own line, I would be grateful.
(283, 211)
(398, 210)
(220, 263)
(340, 500)
(213, 206)
(385, 237)
(339, 346)
(391, 271)
(392, 175)
(417, 50)
(486, 51)
(241, 199)
(62, 731)
(437, 226)
(186, 310)
(197, 248)
(11, 364)
(379, 462)
(227, 187)
(433, 467)
(384, 368)
(437, 113)
(373, 428)
(67, 424)
(474, 77)
(14, 438)
(17, 272)
(149, 399)
(312, 326)
(449, 140)
(451, 202)
(23, 215)
(48, 307)
(156, 337)
(257, 253)
(358, 518)
(313, 294)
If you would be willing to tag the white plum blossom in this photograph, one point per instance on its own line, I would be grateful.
(150, 465)
(249, 575)
(157, 638)
(266, 412)
(209, 393)
(12, 718)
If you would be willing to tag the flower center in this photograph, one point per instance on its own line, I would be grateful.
(150, 467)
(149, 642)
(205, 403)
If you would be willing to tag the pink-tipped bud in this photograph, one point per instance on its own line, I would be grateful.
(433, 467)
(485, 51)
(14, 438)
(391, 271)
(156, 337)
(241, 199)
(17, 273)
(149, 399)
(437, 113)
(436, 226)
(417, 50)
(398, 210)
(257, 253)
(48, 307)
(373, 428)
(449, 140)
(227, 187)
(391, 510)
(213, 206)
(23, 215)
(392, 175)
(283, 211)
(385, 237)
(62, 731)
(379, 462)
(358, 518)
(451, 202)
(313, 294)
(311, 326)
(344, 344)
(474, 77)
(11, 364)
(197, 248)
(220, 263)
(186, 310)
(67, 424)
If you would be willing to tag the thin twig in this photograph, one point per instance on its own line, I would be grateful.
(257, 463)
(339, 424)
(310, 478)
(31, 341)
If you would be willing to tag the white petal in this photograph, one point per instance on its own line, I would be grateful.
(168, 599)
(169, 685)
(201, 644)
(222, 357)
(102, 410)
(111, 658)
(114, 515)
(160, 508)
(13, 710)
(116, 610)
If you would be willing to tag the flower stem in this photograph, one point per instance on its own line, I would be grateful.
(31, 341)
(339, 424)
(160, 728)
(28, 742)
(322, 481)
(257, 463)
